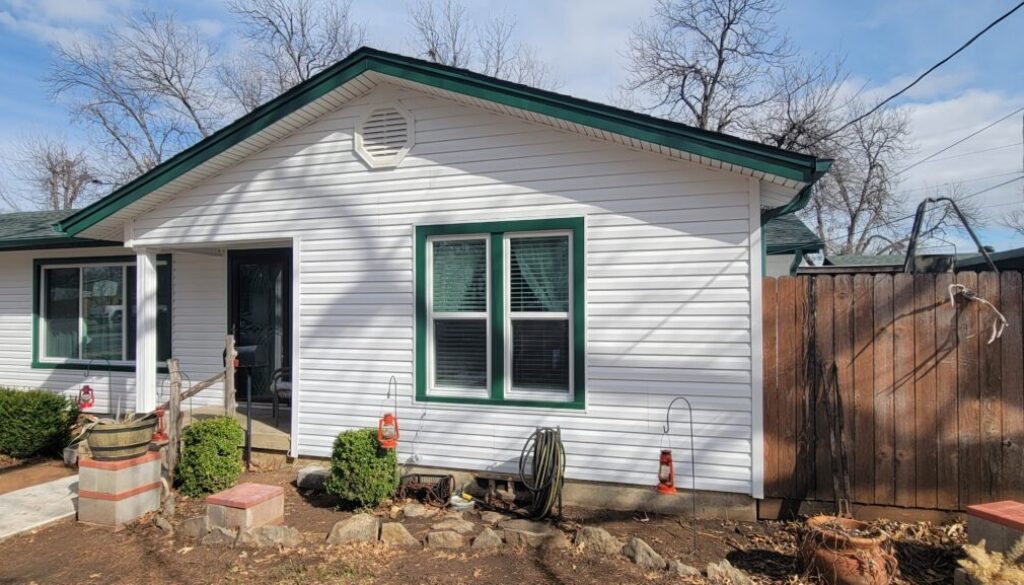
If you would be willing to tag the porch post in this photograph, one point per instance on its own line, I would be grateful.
(145, 331)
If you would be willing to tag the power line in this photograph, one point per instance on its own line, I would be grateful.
(962, 140)
(959, 181)
(973, 152)
(929, 71)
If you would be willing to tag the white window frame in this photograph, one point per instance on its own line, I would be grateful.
(432, 387)
(510, 391)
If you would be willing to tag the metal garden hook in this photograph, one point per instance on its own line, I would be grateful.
(693, 460)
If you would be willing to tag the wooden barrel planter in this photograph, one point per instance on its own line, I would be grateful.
(114, 441)
(843, 551)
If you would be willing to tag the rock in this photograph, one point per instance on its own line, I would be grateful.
(492, 518)
(723, 573)
(454, 524)
(556, 540)
(681, 569)
(220, 536)
(444, 539)
(487, 539)
(394, 512)
(526, 532)
(163, 524)
(599, 540)
(195, 527)
(169, 505)
(265, 536)
(312, 477)
(642, 554)
(358, 528)
(417, 510)
(394, 534)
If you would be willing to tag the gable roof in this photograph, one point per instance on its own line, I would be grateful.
(786, 234)
(365, 65)
(33, 230)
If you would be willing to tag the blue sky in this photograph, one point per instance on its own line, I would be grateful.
(885, 44)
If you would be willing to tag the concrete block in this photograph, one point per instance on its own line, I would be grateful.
(116, 477)
(117, 513)
(999, 524)
(245, 506)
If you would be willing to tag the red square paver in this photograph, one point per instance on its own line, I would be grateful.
(245, 495)
(1006, 513)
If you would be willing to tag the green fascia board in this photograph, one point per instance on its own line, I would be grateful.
(54, 243)
(758, 157)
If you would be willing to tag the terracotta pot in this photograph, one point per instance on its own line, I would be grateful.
(841, 558)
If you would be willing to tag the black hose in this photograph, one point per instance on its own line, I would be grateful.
(547, 456)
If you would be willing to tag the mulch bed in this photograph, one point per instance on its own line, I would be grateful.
(72, 553)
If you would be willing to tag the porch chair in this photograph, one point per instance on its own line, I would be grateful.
(281, 390)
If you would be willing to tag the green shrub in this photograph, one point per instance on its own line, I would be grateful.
(35, 422)
(362, 473)
(211, 460)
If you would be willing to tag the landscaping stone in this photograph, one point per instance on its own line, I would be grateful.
(394, 534)
(220, 536)
(163, 524)
(526, 533)
(681, 569)
(456, 524)
(642, 554)
(444, 539)
(492, 518)
(195, 527)
(312, 477)
(557, 540)
(599, 540)
(487, 539)
(723, 573)
(417, 510)
(358, 528)
(267, 536)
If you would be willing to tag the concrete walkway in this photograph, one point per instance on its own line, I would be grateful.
(39, 505)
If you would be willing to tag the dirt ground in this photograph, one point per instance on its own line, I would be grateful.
(69, 553)
(26, 474)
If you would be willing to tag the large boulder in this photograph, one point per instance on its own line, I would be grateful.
(220, 536)
(358, 528)
(598, 540)
(455, 524)
(270, 536)
(642, 554)
(444, 539)
(417, 510)
(394, 534)
(487, 539)
(312, 477)
(681, 569)
(526, 533)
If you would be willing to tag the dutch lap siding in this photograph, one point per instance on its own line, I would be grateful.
(668, 285)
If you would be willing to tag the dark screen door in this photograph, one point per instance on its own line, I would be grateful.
(259, 299)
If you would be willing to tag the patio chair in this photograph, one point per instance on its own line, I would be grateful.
(281, 390)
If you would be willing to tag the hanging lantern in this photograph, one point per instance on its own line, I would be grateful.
(387, 431)
(86, 397)
(161, 430)
(666, 473)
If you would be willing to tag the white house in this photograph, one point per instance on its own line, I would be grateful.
(513, 257)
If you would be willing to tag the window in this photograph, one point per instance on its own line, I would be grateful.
(86, 312)
(500, 313)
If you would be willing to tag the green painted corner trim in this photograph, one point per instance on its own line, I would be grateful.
(84, 365)
(496, 231)
(747, 154)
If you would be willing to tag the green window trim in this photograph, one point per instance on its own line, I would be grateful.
(496, 232)
(99, 365)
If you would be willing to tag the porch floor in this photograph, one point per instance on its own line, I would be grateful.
(265, 436)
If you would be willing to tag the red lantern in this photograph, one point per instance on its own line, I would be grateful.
(387, 431)
(86, 397)
(161, 431)
(666, 473)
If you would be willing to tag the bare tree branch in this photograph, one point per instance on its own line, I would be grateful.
(57, 176)
(443, 30)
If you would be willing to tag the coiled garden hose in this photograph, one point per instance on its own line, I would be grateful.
(546, 453)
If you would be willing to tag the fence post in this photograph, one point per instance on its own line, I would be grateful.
(229, 375)
(174, 418)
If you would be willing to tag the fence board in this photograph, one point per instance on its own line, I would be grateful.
(933, 415)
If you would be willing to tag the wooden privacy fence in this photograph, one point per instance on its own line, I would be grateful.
(932, 414)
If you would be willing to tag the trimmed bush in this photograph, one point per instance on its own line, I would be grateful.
(211, 460)
(35, 422)
(362, 473)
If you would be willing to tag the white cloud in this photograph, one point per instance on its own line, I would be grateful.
(58, 21)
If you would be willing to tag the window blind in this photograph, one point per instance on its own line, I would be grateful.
(460, 353)
(460, 276)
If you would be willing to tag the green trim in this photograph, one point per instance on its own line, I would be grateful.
(96, 365)
(713, 145)
(497, 230)
(54, 243)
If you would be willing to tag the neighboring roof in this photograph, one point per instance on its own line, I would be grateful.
(639, 130)
(786, 234)
(865, 260)
(32, 230)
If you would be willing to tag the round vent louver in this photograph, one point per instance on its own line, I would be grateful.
(384, 136)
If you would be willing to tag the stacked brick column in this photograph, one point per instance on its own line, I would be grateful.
(113, 493)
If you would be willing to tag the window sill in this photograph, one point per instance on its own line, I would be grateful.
(98, 367)
(509, 402)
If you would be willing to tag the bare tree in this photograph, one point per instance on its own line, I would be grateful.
(57, 176)
(1014, 220)
(442, 31)
(502, 57)
(246, 81)
(296, 39)
(709, 63)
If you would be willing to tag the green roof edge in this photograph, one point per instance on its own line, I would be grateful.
(775, 161)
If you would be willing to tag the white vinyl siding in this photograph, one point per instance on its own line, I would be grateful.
(667, 284)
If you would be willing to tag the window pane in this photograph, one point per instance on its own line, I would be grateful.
(539, 274)
(103, 308)
(163, 312)
(460, 276)
(540, 355)
(61, 312)
(460, 353)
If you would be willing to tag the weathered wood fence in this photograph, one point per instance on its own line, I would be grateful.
(932, 414)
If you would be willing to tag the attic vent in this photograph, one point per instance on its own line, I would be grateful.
(384, 136)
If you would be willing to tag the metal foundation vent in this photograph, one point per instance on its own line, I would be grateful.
(384, 136)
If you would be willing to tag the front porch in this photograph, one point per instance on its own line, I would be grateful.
(266, 435)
